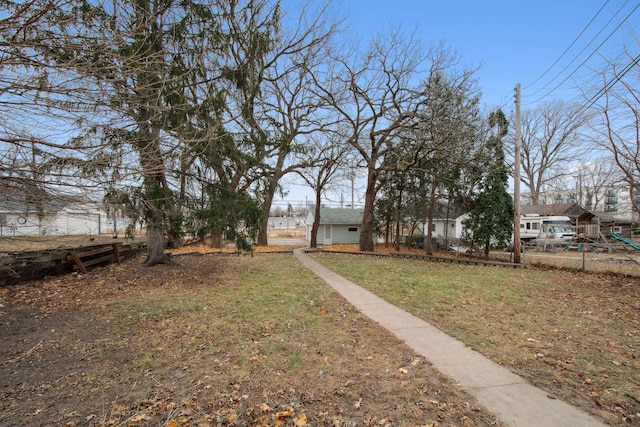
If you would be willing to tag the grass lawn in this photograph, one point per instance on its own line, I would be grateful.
(575, 335)
(211, 340)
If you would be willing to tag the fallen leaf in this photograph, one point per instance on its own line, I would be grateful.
(283, 414)
(300, 420)
(138, 418)
(265, 408)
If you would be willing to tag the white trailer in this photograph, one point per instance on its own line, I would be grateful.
(551, 229)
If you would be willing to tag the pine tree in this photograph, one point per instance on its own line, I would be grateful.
(491, 216)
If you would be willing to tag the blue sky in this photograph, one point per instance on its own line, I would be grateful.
(512, 42)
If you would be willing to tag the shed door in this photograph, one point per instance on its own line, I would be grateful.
(327, 235)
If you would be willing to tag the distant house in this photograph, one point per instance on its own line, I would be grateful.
(336, 225)
(284, 222)
(446, 228)
(22, 216)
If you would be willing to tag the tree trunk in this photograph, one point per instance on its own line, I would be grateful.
(397, 242)
(446, 225)
(428, 247)
(398, 219)
(428, 244)
(313, 243)
(155, 248)
(387, 231)
(264, 222)
(534, 195)
(368, 219)
(216, 238)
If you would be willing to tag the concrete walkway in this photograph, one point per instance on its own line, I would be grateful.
(508, 396)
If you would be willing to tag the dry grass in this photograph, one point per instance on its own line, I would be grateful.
(621, 262)
(210, 340)
(573, 334)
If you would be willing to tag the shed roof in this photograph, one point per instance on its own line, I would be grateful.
(604, 217)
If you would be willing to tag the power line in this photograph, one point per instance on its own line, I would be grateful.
(570, 46)
(588, 57)
(578, 55)
(608, 86)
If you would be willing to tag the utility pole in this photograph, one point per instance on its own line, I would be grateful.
(516, 182)
(353, 179)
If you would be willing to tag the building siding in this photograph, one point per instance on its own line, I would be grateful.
(340, 220)
(340, 234)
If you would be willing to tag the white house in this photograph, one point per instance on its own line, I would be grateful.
(20, 216)
(446, 229)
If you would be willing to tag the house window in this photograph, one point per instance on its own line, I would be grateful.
(433, 228)
(353, 229)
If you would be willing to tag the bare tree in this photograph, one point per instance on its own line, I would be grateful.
(592, 178)
(327, 156)
(551, 139)
(378, 95)
(618, 125)
(277, 107)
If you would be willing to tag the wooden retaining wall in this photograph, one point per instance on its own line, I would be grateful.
(24, 266)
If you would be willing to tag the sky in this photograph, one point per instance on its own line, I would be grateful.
(553, 49)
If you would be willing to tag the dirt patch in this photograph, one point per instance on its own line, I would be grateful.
(126, 345)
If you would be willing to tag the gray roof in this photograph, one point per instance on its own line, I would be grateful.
(605, 217)
(568, 209)
(340, 216)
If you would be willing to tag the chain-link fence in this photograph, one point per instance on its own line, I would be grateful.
(602, 257)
